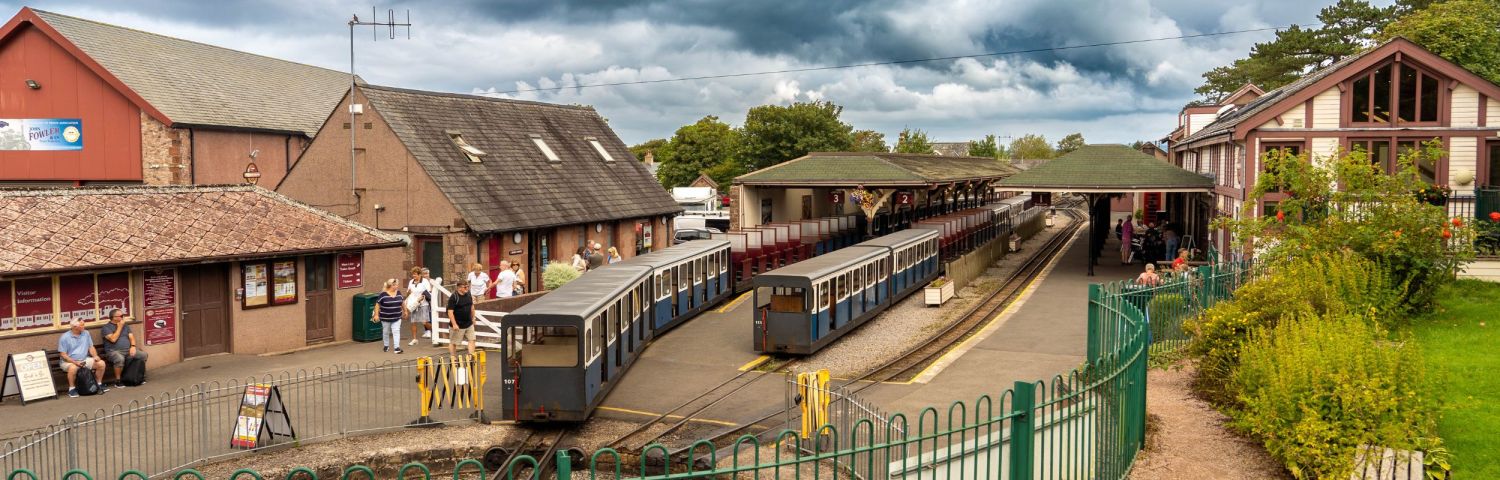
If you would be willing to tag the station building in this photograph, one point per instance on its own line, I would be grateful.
(906, 187)
(1382, 101)
(203, 269)
(89, 103)
(473, 179)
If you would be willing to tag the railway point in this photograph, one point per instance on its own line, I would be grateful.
(509, 241)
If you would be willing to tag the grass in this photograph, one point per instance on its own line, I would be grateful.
(1459, 341)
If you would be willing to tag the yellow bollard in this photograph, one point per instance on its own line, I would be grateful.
(424, 365)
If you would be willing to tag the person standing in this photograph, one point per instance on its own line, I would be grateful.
(581, 260)
(596, 256)
(505, 283)
(1118, 226)
(389, 307)
(479, 281)
(1127, 233)
(418, 296)
(119, 343)
(461, 317)
(1171, 237)
(520, 277)
(613, 257)
(75, 350)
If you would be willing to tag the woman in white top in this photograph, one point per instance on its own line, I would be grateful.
(580, 262)
(417, 302)
(479, 281)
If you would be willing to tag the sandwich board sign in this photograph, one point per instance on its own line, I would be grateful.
(262, 418)
(28, 375)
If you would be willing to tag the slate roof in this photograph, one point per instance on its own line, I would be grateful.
(198, 84)
(1229, 120)
(515, 187)
(877, 169)
(1106, 168)
(62, 229)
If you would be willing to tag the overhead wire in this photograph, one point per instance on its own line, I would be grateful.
(897, 62)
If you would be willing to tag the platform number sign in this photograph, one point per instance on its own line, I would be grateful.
(836, 197)
(904, 198)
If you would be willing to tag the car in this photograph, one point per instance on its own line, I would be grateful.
(689, 234)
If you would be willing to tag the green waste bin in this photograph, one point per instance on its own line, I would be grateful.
(364, 307)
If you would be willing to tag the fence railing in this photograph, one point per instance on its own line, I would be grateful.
(193, 425)
(1088, 423)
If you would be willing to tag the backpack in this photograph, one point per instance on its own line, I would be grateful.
(84, 381)
(134, 373)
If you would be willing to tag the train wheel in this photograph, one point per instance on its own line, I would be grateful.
(494, 458)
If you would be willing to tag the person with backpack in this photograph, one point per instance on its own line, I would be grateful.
(120, 348)
(76, 353)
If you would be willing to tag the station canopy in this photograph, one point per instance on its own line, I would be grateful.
(875, 169)
(1106, 169)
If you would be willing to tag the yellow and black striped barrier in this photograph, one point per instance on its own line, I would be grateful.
(452, 382)
(812, 387)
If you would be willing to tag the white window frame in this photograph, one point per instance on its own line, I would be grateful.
(546, 150)
(600, 149)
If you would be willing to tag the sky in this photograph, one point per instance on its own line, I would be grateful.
(528, 49)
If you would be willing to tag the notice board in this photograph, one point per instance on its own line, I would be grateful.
(28, 375)
(351, 270)
(160, 300)
(262, 417)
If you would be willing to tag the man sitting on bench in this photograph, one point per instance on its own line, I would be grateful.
(119, 343)
(76, 350)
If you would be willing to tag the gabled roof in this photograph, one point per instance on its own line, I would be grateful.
(877, 169)
(1106, 169)
(1239, 121)
(514, 186)
(70, 229)
(189, 83)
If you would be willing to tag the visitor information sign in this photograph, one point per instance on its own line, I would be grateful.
(351, 270)
(41, 134)
(161, 306)
(262, 418)
(28, 375)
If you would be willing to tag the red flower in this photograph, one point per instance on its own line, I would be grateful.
(1398, 234)
(1495, 216)
(1280, 216)
(1458, 222)
(1447, 234)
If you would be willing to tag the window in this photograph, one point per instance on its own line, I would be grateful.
(552, 347)
(546, 150)
(600, 148)
(1270, 149)
(474, 154)
(783, 299)
(1384, 157)
(598, 344)
(1377, 151)
(1395, 94)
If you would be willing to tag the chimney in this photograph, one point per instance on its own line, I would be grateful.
(650, 158)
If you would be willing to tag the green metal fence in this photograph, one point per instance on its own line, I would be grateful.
(1089, 423)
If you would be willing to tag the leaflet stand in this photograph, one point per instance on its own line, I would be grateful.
(262, 418)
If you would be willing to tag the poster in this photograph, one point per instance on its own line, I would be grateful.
(34, 303)
(261, 409)
(351, 270)
(160, 302)
(7, 318)
(285, 281)
(75, 298)
(41, 134)
(113, 292)
(644, 230)
(256, 283)
(29, 375)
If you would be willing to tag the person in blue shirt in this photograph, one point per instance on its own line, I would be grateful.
(388, 311)
(76, 350)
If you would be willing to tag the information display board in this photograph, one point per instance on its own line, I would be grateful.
(160, 302)
(262, 417)
(351, 270)
(28, 375)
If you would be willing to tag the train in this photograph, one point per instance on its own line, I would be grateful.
(565, 350)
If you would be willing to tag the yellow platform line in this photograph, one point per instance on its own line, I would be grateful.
(733, 303)
(677, 417)
(994, 322)
(755, 363)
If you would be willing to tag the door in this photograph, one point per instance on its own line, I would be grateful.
(430, 255)
(205, 310)
(319, 295)
(540, 251)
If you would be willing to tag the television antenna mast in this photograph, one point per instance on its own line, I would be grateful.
(391, 25)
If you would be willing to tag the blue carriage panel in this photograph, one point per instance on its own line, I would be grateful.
(662, 312)
(842, 311)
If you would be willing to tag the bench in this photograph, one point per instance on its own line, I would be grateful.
(60, 376)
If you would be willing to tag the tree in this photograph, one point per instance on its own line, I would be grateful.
(648, 146)
(985, 147)
(1466, 32)
(867, 141)
(775, 134)
(913, 141)
(1347, 27)
(1031, 147)
(696, 148)
(1069, 143)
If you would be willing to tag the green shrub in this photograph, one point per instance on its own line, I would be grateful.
(1167, 311)
(1315, 285)
(557, 274)
(1315, 387)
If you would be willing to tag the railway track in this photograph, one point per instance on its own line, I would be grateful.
(637, 439)
(535, 441)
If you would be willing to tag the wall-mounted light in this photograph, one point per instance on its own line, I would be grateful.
(33, 85)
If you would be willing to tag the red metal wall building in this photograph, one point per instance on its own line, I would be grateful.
(68, 89)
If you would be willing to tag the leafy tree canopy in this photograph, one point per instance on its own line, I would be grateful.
(1031, 147)
(695, 148)
(1466, 32)
(984, 147)
(867, 141)
(775, 133)
(1347, 27)
(913, 141)
(1069, 143)
(649, 146)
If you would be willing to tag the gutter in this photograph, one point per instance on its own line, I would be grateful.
(198, 261)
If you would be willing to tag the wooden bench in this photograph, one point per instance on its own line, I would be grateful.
(60, 376)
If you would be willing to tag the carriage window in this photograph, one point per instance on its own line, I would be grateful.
(827, 293)
(782, 299)
(615, 312)
(545, 346)
(870, 274)
(608, 327)
(843, 282)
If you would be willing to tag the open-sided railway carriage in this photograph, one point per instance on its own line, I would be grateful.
(567, 349)
(807, 305)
